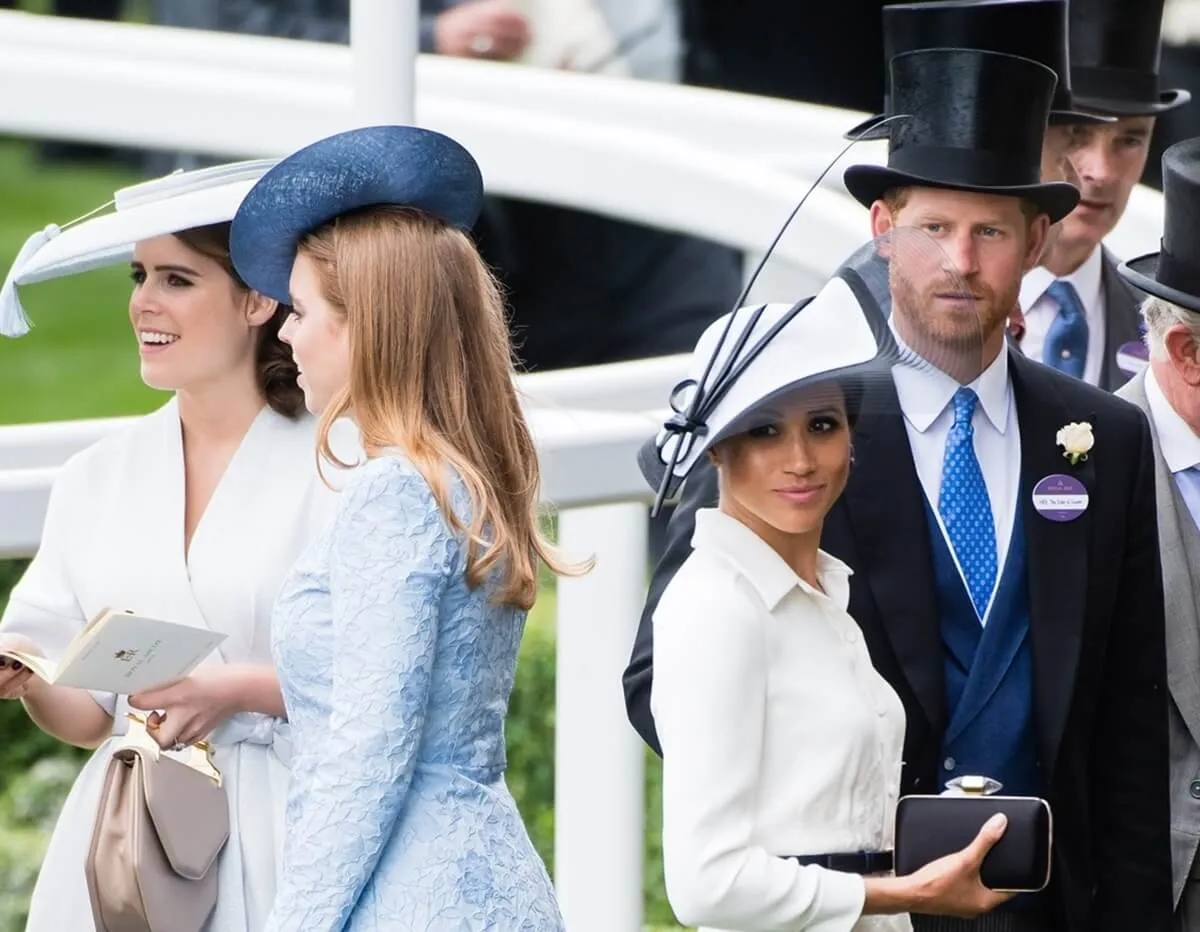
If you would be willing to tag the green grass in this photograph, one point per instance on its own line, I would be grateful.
(80, 359)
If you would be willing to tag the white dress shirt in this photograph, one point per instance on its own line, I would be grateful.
(1179, 443)
(1040, 310)
(925, 399)
(779, 738)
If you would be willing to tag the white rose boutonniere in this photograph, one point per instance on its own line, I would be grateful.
(1077, 440)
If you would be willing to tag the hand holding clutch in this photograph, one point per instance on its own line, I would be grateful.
(930, 827)
(948, 886)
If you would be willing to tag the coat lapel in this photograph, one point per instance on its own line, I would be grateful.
(884, 494)
(1122, 318)
(1179, 549)
(1057, 551)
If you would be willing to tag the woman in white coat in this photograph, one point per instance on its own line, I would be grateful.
(781, 743)
(190, 514)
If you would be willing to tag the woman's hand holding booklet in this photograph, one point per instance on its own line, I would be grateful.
(121, 652)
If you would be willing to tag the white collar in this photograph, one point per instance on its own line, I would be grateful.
(1087, 280)
(761, 566)
(1179, 443)
(924, 393)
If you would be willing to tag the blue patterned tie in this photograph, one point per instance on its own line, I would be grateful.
(964, 505)
(1067, 339)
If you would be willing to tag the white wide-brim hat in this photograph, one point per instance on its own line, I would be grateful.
(746, 360)
(171, 204)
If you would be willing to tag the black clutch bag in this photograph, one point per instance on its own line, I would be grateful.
(930, 827)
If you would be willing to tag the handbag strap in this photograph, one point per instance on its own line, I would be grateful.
(198, 756)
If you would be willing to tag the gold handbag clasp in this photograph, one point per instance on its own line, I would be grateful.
(970, 785)
(198, 756)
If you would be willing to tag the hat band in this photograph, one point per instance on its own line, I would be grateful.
(1177, 274)
(1115, 84)
(974, 167)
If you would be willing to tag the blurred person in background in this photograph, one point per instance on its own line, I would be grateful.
(584, 289)
(1081, 318)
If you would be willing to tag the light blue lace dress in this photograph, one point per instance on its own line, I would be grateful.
(396, 678)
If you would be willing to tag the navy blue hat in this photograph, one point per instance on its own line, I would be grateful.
(404, 166)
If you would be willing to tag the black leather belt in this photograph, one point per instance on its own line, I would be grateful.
(862, 862)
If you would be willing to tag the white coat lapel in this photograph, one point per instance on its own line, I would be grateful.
(252, 530)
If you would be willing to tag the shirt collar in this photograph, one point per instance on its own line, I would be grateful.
(1087, 280)
(1179, 444)
(764, 569)
(925, 392)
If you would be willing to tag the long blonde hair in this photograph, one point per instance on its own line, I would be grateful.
(431, 374)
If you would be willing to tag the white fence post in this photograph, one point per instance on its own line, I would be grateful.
(599, 764)
(384, 39)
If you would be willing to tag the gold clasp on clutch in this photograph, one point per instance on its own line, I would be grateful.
(968, 785)
(198, 756)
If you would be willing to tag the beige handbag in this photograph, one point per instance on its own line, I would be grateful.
(160, 825)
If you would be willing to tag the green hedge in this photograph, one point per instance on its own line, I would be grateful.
(32, 768)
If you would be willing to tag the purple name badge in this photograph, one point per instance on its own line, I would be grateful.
(1132, 357)
(1060, 498)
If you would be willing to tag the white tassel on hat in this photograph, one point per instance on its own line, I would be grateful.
(13, 320)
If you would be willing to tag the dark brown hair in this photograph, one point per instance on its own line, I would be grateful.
(274, 367)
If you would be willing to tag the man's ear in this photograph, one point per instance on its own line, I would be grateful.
(260, 309)
(882, 223)
(1184, 352)
(1039, 235)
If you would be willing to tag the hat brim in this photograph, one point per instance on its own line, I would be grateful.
(161, 207)
(853, 379)
(1078, 118)
(1142, 274)
(1168, 100)
(868, 183)
(403, 166)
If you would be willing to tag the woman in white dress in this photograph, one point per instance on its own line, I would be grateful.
(781, 744)
(191, 514)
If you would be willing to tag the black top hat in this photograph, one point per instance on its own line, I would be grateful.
(1034, 29)
(1173, 273)
(964, 130)
(1115, 47)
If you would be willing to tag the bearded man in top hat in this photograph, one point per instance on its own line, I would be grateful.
(1079, 315)
(1025, 647)
(1034, 29)
(1169, 392)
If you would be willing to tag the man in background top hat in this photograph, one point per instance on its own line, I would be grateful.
(1079, 315)
(1169, 392)
(1041, 662)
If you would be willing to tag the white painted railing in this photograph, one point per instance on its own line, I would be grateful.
(723, 166)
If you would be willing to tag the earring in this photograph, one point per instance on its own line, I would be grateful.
(851, 454)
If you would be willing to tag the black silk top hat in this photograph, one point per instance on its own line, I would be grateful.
(1115, 47)
(1034, 29)
(1173, 273)
(976, 121)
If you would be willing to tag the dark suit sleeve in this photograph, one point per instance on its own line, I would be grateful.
(1129, 754)
(699, 492)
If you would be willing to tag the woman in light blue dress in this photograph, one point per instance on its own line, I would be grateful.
(396, 634)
